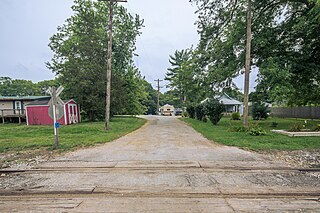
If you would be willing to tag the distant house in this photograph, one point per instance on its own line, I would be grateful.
(37, 113)
(14, 106)
(167, 110)
(232, 105)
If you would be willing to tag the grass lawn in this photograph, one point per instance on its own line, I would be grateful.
(269, 142)
(14, 137)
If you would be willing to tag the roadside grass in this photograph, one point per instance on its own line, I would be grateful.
(272, 141)
(14, 137)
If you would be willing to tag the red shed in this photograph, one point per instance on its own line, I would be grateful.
(37, 113)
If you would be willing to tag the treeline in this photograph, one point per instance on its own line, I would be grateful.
(285, 49)
(20, 87)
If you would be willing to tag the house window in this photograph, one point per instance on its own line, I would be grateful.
(18, 104)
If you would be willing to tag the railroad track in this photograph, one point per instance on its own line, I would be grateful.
(108, 169)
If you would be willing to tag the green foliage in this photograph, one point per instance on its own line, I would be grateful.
(20, 87)
(259, 111)
(184, 82)
(191, 111)
(184, 114)
(235, 116)
(80, 50)
(200, 111)
(285, 47)
(151, 101)
(257, 131)
(214, 110)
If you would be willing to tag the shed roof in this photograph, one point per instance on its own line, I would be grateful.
(44, 102)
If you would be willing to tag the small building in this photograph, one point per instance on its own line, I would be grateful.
(232, 105)
(167, 110)
(13, 107)
(37, 113)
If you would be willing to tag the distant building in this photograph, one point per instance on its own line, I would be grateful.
(232, 105)
(167, 110)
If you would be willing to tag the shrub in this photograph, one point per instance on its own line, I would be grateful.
(191, 111)
(214, 110)
(296, 128)
(259, 111)
(235, 116)
(184, 114)
(257, 131)
(200, 112)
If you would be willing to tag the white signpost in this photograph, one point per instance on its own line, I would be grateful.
(55, 110)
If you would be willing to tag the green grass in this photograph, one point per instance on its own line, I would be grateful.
(269, 142)
(14, 137)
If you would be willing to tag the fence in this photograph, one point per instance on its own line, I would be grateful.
(312, 112)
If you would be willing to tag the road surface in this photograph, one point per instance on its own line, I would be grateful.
(165, 166)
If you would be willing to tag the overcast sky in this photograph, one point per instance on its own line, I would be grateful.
(27, 25)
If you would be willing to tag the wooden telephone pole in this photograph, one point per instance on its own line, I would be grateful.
(247, 69)
(158, 102)
(109, 61)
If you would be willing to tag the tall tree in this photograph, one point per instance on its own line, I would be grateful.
(79, 59)
(183, 76)
(284, 35)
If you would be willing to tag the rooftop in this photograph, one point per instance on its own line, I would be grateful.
(22, 98)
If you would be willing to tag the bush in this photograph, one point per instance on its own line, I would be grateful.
(235, 116)
(214, 110)
(259, 111)
(191, 111)
(257, 131)
(200, 112)
(184, 114)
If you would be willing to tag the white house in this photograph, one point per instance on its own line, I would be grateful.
(232, 105)
(167, 110)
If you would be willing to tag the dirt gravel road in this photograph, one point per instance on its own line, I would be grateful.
(165, 166)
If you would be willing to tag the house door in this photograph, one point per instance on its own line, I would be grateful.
(73, 113)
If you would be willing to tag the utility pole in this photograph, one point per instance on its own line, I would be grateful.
(158, 103)
(109, 62)
(247, 69)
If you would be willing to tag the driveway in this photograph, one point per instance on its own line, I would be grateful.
(165, 166)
